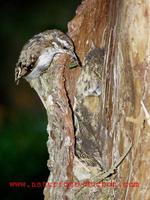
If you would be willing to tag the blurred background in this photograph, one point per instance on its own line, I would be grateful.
(23, 136)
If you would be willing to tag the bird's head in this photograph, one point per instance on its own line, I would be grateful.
(63, 44)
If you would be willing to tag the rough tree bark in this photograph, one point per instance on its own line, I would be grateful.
(97, 111)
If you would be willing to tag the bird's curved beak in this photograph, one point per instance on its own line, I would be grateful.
(74, 60)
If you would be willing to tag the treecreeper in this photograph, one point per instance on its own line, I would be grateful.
(38, 53)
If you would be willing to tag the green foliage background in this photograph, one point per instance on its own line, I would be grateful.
(23, 136)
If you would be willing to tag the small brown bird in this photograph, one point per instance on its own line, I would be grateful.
(38, 53)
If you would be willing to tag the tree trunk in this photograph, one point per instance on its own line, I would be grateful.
(98, 115)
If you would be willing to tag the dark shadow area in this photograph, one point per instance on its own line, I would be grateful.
(23, 122)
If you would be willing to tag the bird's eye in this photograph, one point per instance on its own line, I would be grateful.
(65, 48)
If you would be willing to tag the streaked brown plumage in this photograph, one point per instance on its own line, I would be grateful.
(37, 54)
